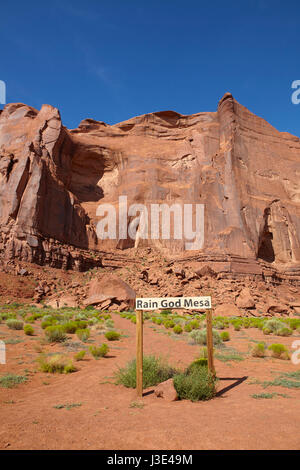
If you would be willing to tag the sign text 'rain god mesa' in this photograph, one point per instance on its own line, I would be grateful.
(173, 302)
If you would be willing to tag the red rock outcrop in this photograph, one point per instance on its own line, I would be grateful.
(244, 171)
(40, 218)
(107, 289)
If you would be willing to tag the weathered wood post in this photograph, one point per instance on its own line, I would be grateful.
(210, 342)
(139, 353)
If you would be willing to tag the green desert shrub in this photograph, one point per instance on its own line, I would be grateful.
(237, 325)
(109, 323)
(30, 319)
(195, 384)
(194, 324)
(90, 308)
(258, 350)
(225, 336)
(279, 351)
(166, 312)
(4, 316)
(155, 371)
(179, 320)
(187, 328)
(199, 336)
(58, 363)
(133, 318)
(284, 331)
(70, 327)
(107, 316)
(48, 320)
(201, 362)
(14, 324)
(99, 351)
(169, 324)
(203, 352)
(219, 325)
(28, 330)
(45, 324)
(294, 323)
(81, 317)
(177, 329)
(12, 380)
(274, 325)
(266, 331)
(80, 355)
(220, 319)
(112, 335)
(82, 324)
(159, 321)
(48, 317)
(83, 334)
(256, 323)
(55, 334)
(35, 316)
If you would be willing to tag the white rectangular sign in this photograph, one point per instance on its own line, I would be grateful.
(196, 303)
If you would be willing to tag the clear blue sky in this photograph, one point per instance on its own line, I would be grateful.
(111, 60)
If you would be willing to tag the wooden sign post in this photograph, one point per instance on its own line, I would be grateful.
(210, 343)
(196, 303)
(139, 353)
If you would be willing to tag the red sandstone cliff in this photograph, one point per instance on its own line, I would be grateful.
(244, 171)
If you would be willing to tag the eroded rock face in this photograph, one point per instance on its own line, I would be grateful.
(244, 171)
(40, 218)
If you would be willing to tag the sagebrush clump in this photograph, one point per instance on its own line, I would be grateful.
(199, 336)
(279, 351)
(155, 371)
(70, 327)
(28, 330)
(80, 355)
(285, 331)
(55, 334)
(201, 362)
(100, 351)
(12, 380)
(194, 324)
(225, 336)
(14, 324)
(187, 328)
(258, 350)
(112, 335)
(195, 384)
(273, 326)
(177, 329)
(203, 354)
(83, 334)
(57, 363)
(169, 324)
(237, 324)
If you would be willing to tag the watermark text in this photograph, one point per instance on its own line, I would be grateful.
(296, 94)
(2, 92)
(155, 222)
